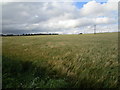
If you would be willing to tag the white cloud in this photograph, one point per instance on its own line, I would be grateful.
(93, 8)
(56, 17)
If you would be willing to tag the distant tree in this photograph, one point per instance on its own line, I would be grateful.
(80, 33)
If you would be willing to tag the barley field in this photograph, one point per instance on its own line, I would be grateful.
(60, 61)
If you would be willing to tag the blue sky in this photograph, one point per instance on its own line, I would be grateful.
(80, 4)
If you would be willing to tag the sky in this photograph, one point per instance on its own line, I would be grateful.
(59, 17)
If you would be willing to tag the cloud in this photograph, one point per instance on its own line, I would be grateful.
(62, 17)
(94, 8)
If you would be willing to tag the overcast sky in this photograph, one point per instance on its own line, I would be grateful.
(59, 17)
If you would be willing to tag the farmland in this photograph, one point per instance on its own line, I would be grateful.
(60, 61)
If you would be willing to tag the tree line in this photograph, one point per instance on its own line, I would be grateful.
(28, 34)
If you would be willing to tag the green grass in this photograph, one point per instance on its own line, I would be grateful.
(60, 61)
